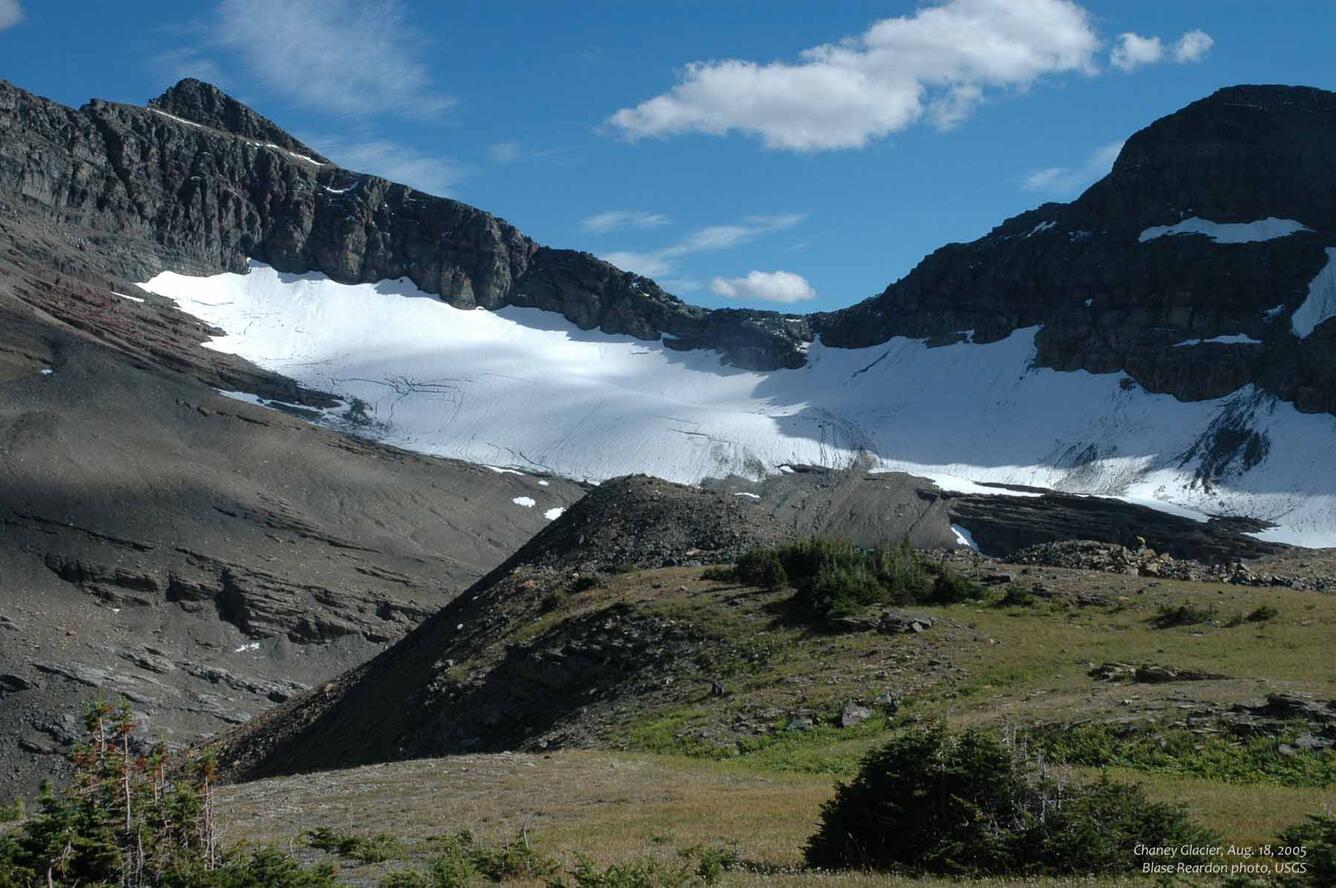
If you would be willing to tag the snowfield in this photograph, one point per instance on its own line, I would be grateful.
(1266, 229)
(526, 389)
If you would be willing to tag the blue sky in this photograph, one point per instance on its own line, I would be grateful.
(799, 155)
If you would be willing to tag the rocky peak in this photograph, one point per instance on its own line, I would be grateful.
(203, 103)
(1243, 153)
(1185, 314)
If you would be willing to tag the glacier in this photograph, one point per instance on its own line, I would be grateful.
(526, 390)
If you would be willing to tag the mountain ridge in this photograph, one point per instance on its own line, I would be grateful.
(1107, 301)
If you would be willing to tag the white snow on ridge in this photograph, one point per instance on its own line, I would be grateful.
(1266, 229)
(1321, 302)
(1228, 339)
(523, 387)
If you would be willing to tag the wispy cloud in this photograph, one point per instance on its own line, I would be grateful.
(505, 152)
(338, 56)
(664, 261)
(1132, 51)
(1064, 181)
(765, 286)
(11, 13)
(616, 220)
(189, 61)
(514, 152)
(938, 63)
(390, 160)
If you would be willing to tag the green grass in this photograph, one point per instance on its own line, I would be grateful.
(1177, 751)
(702, 765)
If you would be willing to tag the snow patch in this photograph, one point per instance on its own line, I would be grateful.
(47, 371)
(253, 646)
(1039, 229)
(1230, 339)
(553, 514)
(754, 496)
(521, 384)
(527, 502)
(1266, 229)
(963, 537)
(178, 119)
(1321, 302)
(124, 296)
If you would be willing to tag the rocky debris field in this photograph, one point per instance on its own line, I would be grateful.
(1146, 562)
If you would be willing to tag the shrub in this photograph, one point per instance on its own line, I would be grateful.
(406, 879)
(263, 866)
(839, 589)
(712, 861)
(721, 573)
(1221, 758)
(952, 588)
(644, 873)
(514, 860)
(1317, 836)
(460, 858)
(1016, 596)
(970, 805)
(363, 849)
(761, 567)
(1262, 614)
(832, 578)
(903, 573)
(137, 819)
(1181, 615)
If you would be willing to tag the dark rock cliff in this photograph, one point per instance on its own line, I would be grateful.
(1108, 302)
(199, 182)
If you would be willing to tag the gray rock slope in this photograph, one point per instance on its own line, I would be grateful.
(203, 557)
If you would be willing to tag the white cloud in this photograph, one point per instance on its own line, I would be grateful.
(664, 261)
(615, 220)
(390, 160)
(1192, 47)
(339, 56)
(504, 152)
(1132, 51)
(939, 62)
(766, 286)
(11, 13)
(1062, 181)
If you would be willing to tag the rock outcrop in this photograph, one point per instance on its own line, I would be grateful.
(488, 671)
(198, 182)
(1107, 301)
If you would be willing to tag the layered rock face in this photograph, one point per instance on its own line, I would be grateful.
(209, 183)
(1111, 296)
